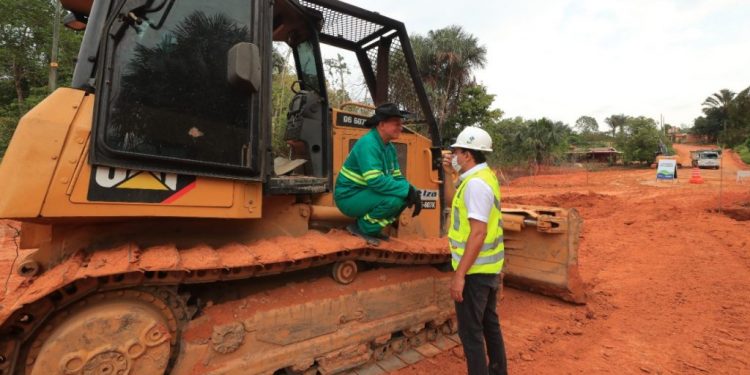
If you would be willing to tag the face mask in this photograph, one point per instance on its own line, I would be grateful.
(454, 163)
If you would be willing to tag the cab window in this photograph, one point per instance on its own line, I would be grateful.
(167, 94)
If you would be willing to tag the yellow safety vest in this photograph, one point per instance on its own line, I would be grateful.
(492, 254)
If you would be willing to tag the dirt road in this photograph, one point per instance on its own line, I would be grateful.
(668, 275)
(731, 161)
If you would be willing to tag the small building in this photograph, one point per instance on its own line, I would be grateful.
(679, 138)
(677, 135)
(696, 139)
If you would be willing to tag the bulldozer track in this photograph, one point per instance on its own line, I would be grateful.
(167, 303)
(101, 266)
(88, 274)
(390, 352)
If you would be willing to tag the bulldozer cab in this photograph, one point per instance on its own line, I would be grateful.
(185, 86)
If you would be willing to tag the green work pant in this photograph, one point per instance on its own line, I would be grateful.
(373, 211)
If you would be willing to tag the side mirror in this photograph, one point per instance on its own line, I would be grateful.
(243, 67)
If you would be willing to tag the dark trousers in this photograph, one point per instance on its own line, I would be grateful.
(478, 325)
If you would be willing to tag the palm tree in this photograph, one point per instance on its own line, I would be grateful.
(616, 121)
(730, 112)
(720, 101)
(727, 117)
(544, 138)
(446, 59)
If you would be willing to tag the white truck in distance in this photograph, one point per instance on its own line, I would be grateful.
(706, 159)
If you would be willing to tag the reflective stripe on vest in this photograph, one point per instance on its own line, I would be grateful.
(485, 246)
(489, 259)
(492, 253)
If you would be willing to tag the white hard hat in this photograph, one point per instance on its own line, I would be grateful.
(474, 138)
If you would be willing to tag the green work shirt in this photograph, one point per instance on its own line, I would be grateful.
(371, 164)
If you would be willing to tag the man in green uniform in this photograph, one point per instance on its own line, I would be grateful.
(370, 186)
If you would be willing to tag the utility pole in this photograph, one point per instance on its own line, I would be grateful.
(55, 41)
(721, 167)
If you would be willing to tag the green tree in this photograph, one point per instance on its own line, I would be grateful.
(446, 59)
(336, 70)
(716, 108)
(726, 117)
(507, 141)
(720, 100)
(738, 122)
(6, 132)
(25, 48)
(283, 77)
(25, 32)
(586, 124)
(588, 134)
(26, 42)
(709, 125)
(615, 122)
(548, 140)
(473, 108)
(640, 139)
(530, 142)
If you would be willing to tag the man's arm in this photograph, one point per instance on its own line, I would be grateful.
(449, 187)
(473, 246)
(371, 165)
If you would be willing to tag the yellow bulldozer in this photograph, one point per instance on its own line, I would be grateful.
(163, 237)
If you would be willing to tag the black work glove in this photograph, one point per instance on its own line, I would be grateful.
(414, 200)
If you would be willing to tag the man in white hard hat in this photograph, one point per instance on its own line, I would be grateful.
(476, 242)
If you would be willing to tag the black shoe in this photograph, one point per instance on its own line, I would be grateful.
(354, 229)
(381, 236)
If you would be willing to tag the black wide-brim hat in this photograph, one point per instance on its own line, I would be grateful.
(384, 112)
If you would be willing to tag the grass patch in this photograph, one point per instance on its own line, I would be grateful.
(744, 153)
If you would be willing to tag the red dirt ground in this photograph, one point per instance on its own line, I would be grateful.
(668, 278)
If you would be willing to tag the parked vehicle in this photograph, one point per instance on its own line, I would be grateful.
(706, 158)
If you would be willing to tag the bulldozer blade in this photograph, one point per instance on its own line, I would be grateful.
(541, 251)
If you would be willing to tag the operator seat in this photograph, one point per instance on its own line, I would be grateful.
(302, 117)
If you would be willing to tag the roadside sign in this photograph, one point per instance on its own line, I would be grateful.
(666, 170)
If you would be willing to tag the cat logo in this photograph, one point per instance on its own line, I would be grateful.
(126, 185)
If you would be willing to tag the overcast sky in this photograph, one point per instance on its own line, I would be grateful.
(563, 59)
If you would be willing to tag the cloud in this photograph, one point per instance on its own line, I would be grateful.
(563, 59)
